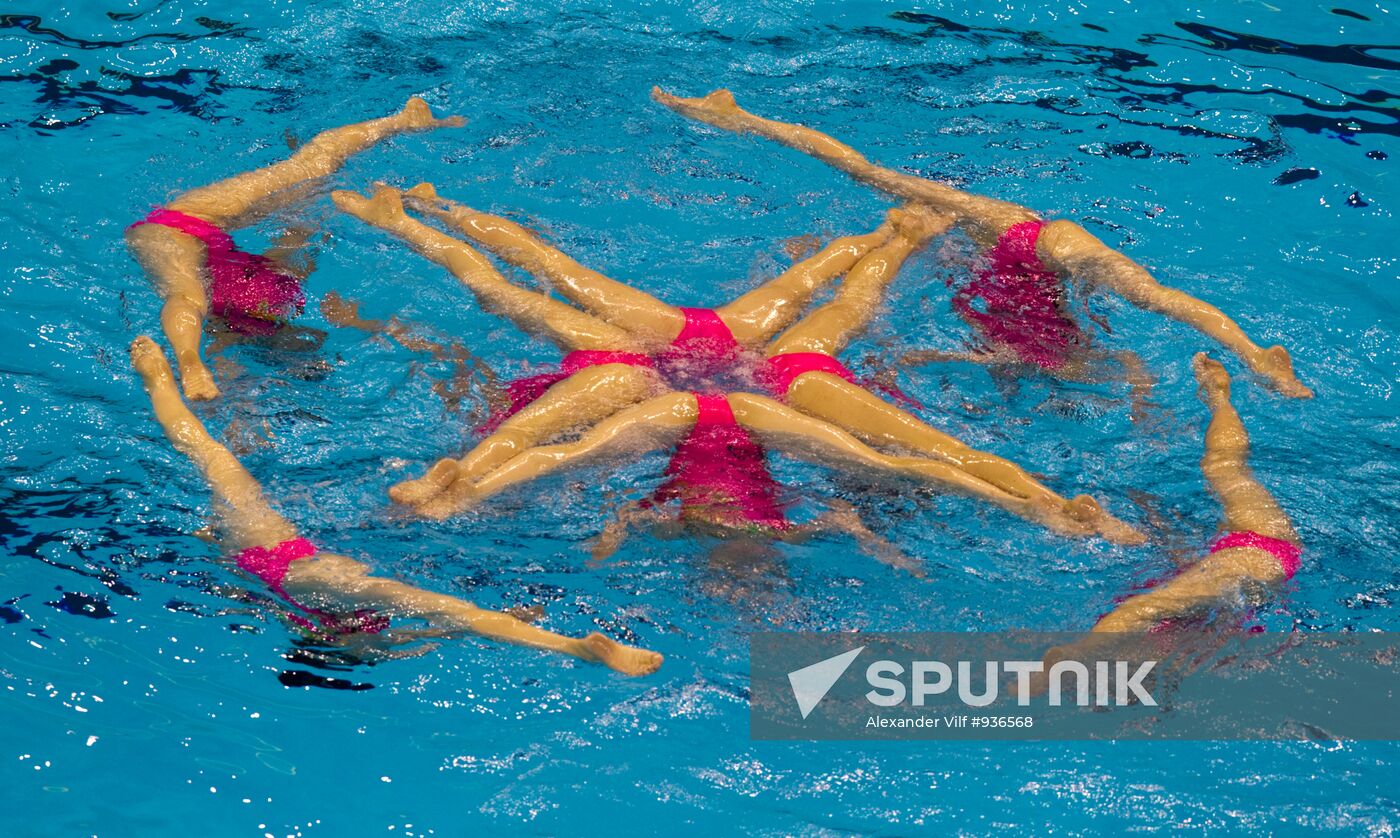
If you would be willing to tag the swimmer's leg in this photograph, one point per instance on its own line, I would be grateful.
(1073, 251)
(784, 429)
(246, 517)
(1248, 505)
(768, 309)
(920, 357)
(629, 516)
(986, 217)
(173, 260)
(621, 305)
(229, 201)
(652, 425)
(830, 327)
(349, 581)
(879, 423)
(1232, 572)
(535, 313)
(584, 398)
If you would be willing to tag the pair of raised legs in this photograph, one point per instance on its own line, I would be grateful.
(176, 261)
(1063, 246)
(330, 580)
(839, 421)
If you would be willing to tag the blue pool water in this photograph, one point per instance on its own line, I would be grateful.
(138, 696)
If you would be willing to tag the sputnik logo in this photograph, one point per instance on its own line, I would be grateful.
(810, 684)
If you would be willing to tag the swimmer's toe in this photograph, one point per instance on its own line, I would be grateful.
(424, 190)
(1211, 374)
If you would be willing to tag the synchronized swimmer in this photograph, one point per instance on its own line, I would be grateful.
(718, 387)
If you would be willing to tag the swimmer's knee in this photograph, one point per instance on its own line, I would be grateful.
(511, 439)
(177, 305)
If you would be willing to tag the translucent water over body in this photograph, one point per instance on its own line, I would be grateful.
(138, 693)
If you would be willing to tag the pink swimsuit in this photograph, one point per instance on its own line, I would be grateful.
(523, 391)
(718, 465)
(1289, 555)
(270, 565)
(245, 289)
(704, 346)
(778, 372)
(1022, 301)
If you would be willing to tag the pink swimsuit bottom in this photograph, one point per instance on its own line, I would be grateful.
(522, 391)
(1289, 555)
(245, 289)
(270, 565)
(718, 466)
(1021, 299)
(779, 372)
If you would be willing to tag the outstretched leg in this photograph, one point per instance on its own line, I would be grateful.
(985, 218)
(879, 423)
(1248, 505)
(830, 327)
(535, 313)
(652, 425)
(783, 429)
(246, 518)
(621, 305)
(586, 397)
(768, 309)
(229, 202)
(1232, 572)
(347, 582)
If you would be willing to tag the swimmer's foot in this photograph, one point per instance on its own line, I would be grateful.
(917, 222)
(1086, 510)
(628, 660)
(714, 104)
(197, 381)
(425, 198)
(382, 209)
(420, 490)
(1214, 380)
(454, 500)
(1277, 365)
(149, 362)
(417, 116)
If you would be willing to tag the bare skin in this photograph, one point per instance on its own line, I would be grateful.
(1064, 247)
(870, 263)
(659, 423)
(175, 261)
(1248, 506)
(1233, 576)
(328, 579)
